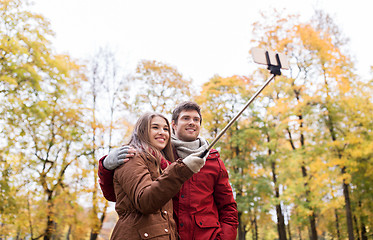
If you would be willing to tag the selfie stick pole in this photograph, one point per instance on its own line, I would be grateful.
(275, 70)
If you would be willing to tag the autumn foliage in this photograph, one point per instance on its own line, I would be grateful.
(299, 158)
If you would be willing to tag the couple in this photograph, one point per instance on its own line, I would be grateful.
(162, 188)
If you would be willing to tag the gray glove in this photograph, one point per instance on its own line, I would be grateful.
(117, 157)
(194, 162)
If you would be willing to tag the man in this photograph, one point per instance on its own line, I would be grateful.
(204, 208)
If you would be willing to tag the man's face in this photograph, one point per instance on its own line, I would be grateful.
(188, 125)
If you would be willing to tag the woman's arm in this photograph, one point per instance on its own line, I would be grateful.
(149, 196)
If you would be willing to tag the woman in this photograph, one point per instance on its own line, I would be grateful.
(144, 187)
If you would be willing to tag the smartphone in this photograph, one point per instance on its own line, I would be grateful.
(259, 56)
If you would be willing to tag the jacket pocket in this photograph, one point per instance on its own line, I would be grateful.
(155, 231)
(207, 221)
(208, 227)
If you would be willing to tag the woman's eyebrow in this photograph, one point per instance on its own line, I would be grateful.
(156, 124)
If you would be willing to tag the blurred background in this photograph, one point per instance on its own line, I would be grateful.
(75, 75)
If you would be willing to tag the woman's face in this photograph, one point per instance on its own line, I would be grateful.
(159, 133)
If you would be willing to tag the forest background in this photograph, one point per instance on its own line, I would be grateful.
(299, 159)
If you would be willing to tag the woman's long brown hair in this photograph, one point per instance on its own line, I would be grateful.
(141, 141)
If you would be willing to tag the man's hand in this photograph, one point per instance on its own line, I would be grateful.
(118, 156)
(194, 162)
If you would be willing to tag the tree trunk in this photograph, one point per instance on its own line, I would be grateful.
(313, 226)
(337, 224)
(312, 218)
(362, 224)
(357, 228)
(253, 229)
(50, 222)
(280, 217)
(345, 186)
(93, 236)
(68, 233)
(29, 217)
(288, 226)
(364, 235)
(49, 229)
(241, 228)
(256, 228)
(346, 194)
(280, 223)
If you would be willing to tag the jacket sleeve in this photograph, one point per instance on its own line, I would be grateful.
(227, 206)
(106, 181)
(146, 194)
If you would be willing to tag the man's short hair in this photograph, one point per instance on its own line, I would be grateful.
(187, 106)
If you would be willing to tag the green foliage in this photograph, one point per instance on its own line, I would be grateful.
(41, 123)
(305, 137)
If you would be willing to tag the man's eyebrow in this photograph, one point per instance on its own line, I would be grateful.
(187, 115)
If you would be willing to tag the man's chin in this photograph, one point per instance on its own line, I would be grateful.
(190, 138)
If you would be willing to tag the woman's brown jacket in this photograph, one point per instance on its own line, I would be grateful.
(144, 198)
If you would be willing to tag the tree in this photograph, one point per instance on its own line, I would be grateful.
(276, 37)
(40, 119)
(25, 53)
(50, 129)
(313, 110)
(107, 87)
(160, 87)
(220, 101)
(336, 70)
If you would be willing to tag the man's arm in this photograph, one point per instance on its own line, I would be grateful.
(106, 169)
(227, 206)
(106, 181)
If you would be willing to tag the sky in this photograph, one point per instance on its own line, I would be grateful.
(200, 38)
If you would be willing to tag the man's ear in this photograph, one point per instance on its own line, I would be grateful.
(173, 126)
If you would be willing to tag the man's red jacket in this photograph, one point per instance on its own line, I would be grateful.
(204, 208)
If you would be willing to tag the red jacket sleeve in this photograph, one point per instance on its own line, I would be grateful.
(227, 206)
(106, 181)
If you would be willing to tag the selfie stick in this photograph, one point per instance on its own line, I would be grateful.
(275, 70)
